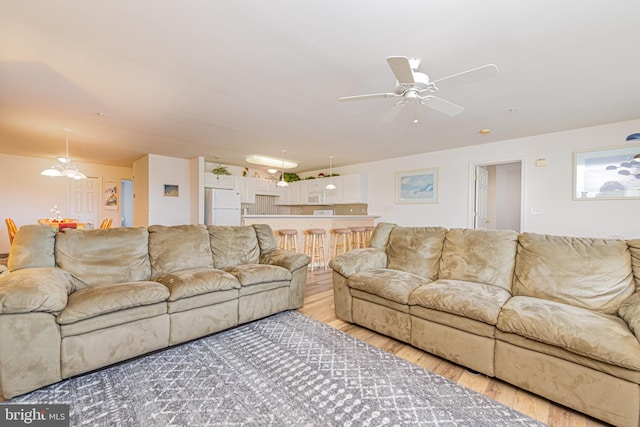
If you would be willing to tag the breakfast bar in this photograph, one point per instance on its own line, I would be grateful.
(306, 222)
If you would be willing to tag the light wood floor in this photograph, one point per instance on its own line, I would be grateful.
(318, 304)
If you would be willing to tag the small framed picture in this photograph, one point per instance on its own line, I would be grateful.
(611, 173)
(110, 195)
(417, 186)
(171, 190)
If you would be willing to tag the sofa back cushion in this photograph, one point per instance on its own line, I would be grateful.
(178, 247)
(104, 256)
(482, 256)
(32, 247)
(634, 248)
(380, 236)
(416, 250)
(266, 238)
(233, 245)
(583, 272)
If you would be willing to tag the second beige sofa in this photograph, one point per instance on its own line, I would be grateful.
(558, 316)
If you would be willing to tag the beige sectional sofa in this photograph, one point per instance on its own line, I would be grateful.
(558, 316)
(82, 299)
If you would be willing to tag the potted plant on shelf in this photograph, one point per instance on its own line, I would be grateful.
(220, 170)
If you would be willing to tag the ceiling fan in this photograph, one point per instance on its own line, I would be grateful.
(415, 86)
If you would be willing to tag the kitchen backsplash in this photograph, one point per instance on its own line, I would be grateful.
(266, 205)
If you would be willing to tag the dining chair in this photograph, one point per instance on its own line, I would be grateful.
(106, 223)
(11, 228)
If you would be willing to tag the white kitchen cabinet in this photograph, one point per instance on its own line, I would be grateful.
(247, 188)
(298, 192)
(220, 181)
(354, 188)
(334, 196)
(266, 187)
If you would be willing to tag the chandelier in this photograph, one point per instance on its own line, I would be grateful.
(64, 167)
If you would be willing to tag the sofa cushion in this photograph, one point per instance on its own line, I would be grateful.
(233, 245)
(254, 274)
(197, 281)
(104, 256)
(35, 289)
(585, 332)
(482, 256)
(178, 247)
(584, 272)
(266, 238)
(32, 247)
(380, 236)
(416, 250)
(393, 285)
(475, 301)
(91, 302)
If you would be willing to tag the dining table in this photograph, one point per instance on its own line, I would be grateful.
(61, 225)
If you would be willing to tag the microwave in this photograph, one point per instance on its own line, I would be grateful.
(317, 198)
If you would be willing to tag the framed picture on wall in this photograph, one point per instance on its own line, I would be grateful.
(610, 173)
(417, 186)
(110, 195)
(171, 190)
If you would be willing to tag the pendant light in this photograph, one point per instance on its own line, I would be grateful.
(64, 166)
(282, 182)
(330, 185)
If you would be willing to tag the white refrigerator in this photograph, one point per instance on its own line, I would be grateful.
(222, 207)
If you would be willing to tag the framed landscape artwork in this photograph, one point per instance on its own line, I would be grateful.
(110, 195)
(611, 173)
(171, 190)
(417, 186)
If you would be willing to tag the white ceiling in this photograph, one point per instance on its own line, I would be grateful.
(232, 78)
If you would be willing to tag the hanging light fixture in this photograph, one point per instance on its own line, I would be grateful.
(330, 185)
(64, 166)
(282, 182)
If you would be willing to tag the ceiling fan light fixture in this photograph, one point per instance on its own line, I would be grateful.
(259, 159)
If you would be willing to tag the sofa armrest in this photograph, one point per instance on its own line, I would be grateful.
(629, 311)
(352, 262)
(29, 290)
(290, 260)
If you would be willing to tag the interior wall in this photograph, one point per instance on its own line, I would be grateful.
(25, 195)
(165, 209)
(548, 196)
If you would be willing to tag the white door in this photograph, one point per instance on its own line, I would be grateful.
(482, 192)
(84, 200)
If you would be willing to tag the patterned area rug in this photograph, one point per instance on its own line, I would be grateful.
(285, 370)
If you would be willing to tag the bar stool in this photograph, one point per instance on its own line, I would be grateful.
(288, 239)
(314, 247)
(341, 240)
(368, 232)
(358, 239)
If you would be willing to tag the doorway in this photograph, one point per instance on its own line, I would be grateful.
(126, 207)
(497, 196)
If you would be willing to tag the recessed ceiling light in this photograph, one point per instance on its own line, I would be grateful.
(485, 131)
(513, 109)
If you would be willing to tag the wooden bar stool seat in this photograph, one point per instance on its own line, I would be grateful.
(358, 239)
(341, 238)
(288, 239)
(314, 247)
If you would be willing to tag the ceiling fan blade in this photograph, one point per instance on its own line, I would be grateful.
(442, 105)
(364, 97)
(481, 73)
(401, 69)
